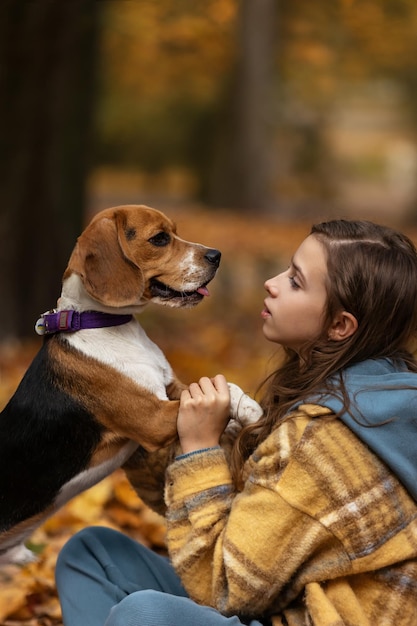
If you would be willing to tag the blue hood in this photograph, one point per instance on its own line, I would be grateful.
(375, 398)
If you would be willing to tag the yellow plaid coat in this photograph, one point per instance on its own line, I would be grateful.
(323, 534)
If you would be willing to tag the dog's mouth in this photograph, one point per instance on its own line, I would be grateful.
(167, 295)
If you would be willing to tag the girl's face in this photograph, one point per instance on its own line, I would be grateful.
(295, 304)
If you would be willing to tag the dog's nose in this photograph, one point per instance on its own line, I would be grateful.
(213, 256)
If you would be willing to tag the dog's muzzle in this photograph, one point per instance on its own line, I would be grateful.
(164, 294)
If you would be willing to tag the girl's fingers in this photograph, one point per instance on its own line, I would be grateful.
(220, 383)
(203, 387)
(206, 384)
(193, 388)
(208, 389)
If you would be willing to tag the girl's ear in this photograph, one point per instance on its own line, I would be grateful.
(344, 325)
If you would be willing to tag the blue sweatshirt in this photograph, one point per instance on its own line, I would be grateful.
(374, 391)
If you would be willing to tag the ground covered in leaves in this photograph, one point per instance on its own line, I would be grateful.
(223, 334)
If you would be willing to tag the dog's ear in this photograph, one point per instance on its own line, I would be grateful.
(108, 275)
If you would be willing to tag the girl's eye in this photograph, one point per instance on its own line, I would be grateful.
(293, 282)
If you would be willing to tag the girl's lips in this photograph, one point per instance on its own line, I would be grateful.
(265, 313)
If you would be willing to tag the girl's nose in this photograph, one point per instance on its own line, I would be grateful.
(270, 285)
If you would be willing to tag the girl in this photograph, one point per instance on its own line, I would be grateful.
(313, 518)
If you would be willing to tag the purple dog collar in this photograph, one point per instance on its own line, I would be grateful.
(70, 321)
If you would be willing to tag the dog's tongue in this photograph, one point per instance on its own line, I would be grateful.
(204, 291)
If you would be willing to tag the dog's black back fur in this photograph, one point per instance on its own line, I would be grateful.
(47, 438)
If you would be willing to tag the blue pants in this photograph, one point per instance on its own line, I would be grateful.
(104, 578)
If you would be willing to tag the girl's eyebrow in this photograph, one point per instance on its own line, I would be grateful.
(298, 269)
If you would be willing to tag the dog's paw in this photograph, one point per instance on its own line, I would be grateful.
(18, 555)
(243, 408)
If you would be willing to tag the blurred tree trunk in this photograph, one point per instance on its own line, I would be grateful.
(47, 65)
(242, 167)
(409, 82)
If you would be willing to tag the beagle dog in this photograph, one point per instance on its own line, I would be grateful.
(99, 388)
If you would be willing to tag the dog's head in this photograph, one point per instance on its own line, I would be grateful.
(130, 255)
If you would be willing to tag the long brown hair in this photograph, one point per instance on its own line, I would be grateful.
(372, 274)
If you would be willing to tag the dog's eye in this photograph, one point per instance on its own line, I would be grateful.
(160, 239)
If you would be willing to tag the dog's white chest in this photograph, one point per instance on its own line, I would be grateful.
(129, 350)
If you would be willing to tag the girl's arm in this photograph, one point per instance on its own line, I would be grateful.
(236, 552)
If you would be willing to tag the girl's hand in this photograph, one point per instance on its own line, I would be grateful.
(204, 413)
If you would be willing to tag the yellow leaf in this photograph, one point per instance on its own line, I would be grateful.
(13, 596)
(126, 495)
(88, 506)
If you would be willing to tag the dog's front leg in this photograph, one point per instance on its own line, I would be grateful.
(242, 407)
(175, 388)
